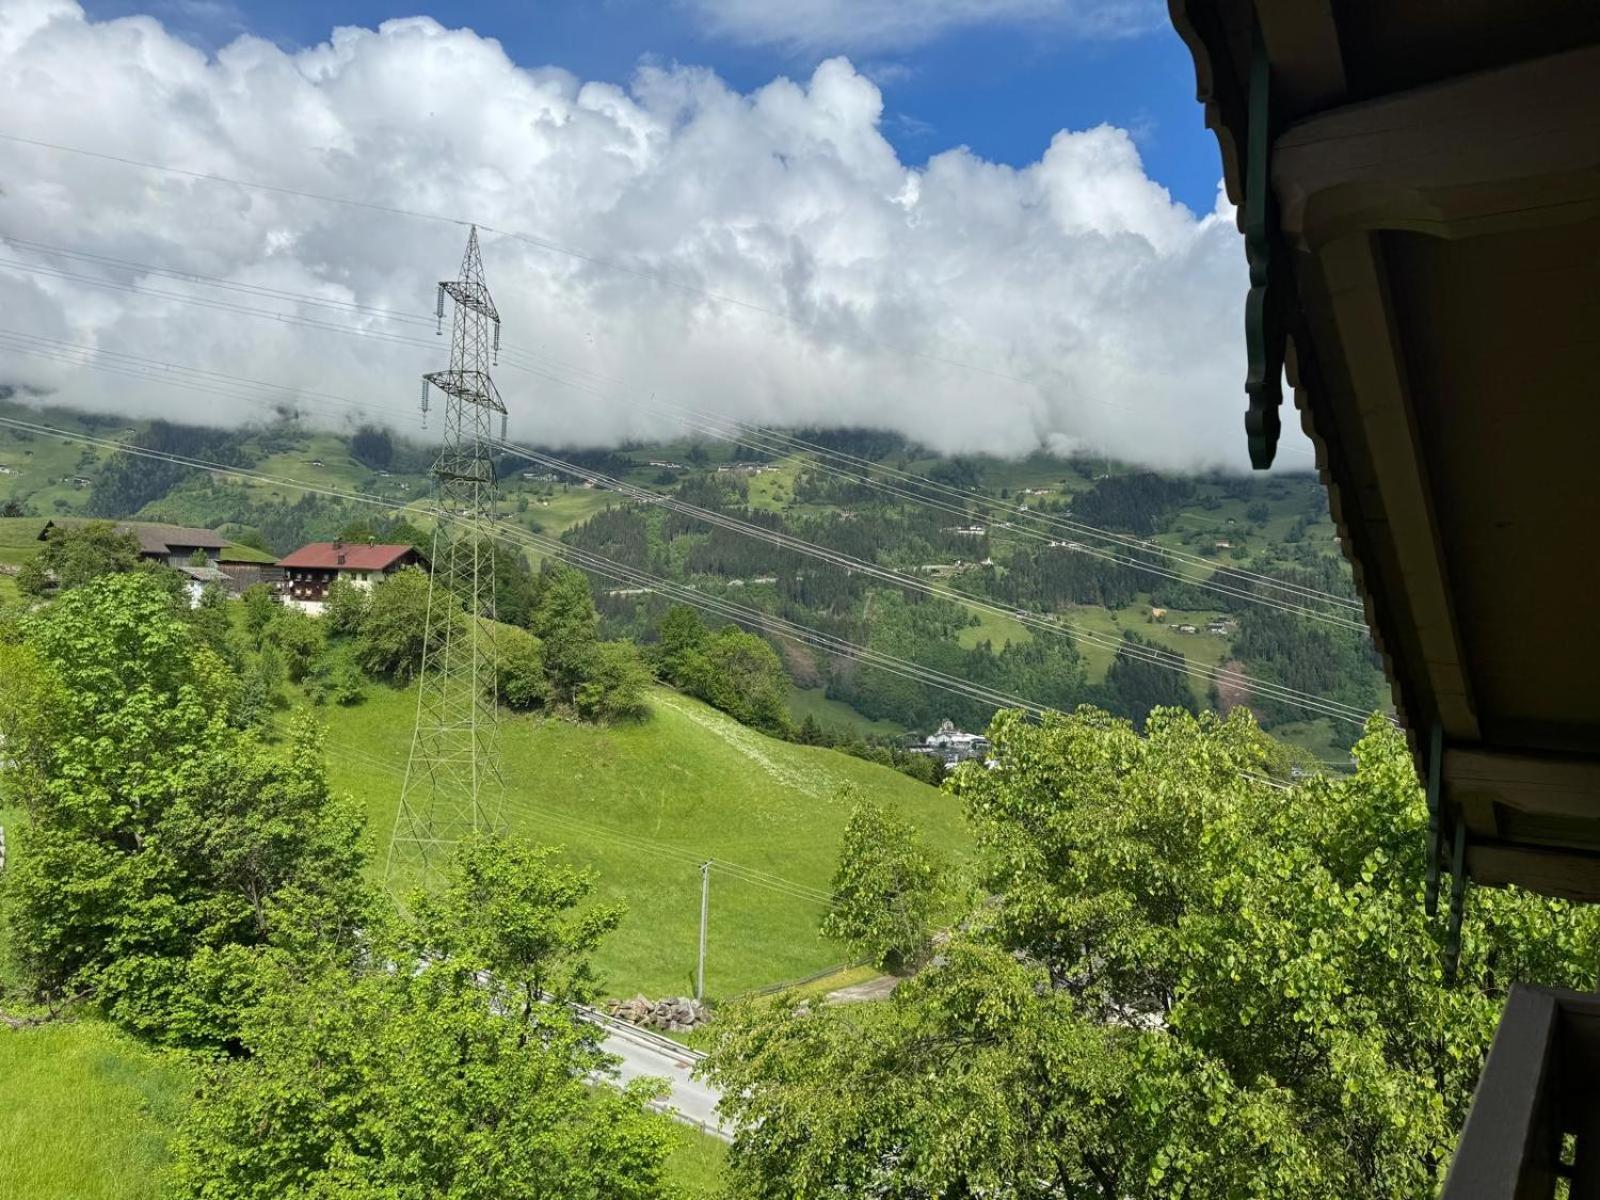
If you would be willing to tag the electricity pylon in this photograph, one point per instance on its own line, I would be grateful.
(452, 786)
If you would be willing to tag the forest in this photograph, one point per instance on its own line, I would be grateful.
(983, 532)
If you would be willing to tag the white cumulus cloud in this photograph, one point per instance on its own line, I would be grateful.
(765, 256)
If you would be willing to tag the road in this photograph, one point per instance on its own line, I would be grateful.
(643, 1052)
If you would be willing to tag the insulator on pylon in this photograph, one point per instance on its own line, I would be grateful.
(502, 427)
(496, 344)
(439, 314)
(424, 399)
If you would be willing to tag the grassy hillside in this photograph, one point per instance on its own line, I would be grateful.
(86, 1112)
(642, 804)
(836, 715)
(47, 472)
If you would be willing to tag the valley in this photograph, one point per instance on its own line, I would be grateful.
(1173, 583)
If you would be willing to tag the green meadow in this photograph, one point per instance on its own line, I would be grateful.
(643, 804)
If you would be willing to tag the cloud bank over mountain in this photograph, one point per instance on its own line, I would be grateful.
(763, 256)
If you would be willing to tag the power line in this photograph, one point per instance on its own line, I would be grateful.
(224, 284)
(740, 434)
(170, 374)
(217, 468)
(222, 469)
(1291, 696)
(282, 318)
(759, 619)
(857, 465)
(852, 564)
(1134, 650)
(516, 534)
(754, 441)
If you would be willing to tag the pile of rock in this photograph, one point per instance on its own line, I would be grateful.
(675, 1014)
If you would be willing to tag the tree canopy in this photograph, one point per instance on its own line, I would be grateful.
(1179, 982)
(884, 890)
(73, 555)
(465, 1077)
(206, 890)
(396, 623)
(159, 836)
(730, 669)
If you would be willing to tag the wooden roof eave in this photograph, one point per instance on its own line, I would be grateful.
(1219, 46)
(1502, 150)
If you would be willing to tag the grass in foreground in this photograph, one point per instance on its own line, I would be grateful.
(85, 1112)
(644, 805)
(697, 1164)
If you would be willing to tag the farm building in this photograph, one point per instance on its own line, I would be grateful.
(311, 570)
(952, 745)
(233, 566)
(173, 545)
(197, 579)
(246, 572)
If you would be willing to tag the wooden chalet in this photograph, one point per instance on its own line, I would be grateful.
(311, 570)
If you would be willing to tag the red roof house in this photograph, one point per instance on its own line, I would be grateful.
(310, 571)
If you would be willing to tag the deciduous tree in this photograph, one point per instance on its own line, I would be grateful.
(1180, 983)
(74, 555)
(463, 1076)
(885, 889)
(259, 609)
(158, 837)
(397, 622)
(613, 683)
(345, 608)
(299, 640)
(521, 683)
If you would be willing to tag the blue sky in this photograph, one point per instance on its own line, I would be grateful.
(1002, 88)
(1091, 300)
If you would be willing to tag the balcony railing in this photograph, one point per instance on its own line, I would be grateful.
(1535, 1118)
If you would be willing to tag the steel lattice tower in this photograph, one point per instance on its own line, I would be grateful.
(452, 786)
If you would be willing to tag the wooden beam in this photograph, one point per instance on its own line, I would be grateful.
(1352, 274)
(1548, 870)
(1568, 787)
(1303, 43)
(1485, 153)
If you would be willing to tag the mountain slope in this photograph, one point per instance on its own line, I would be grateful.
(643, 804)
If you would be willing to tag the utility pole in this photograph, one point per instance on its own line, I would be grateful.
(452, 784)
(705, 911)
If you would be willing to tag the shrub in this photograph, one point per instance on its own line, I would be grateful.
(259, 609)
(614, 683)
(299, 640)
(521, 678)
(345, 608)
(336, 679)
